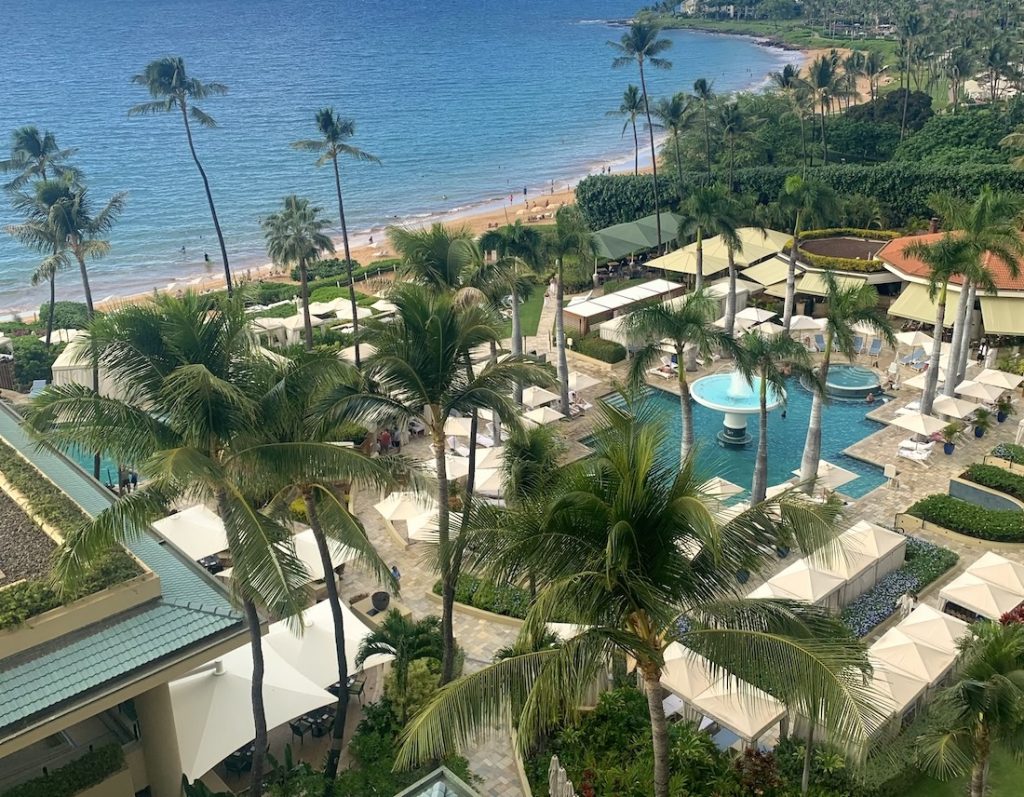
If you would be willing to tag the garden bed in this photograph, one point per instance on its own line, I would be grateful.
(25, 550)
(996, 478)
(505, 600)
(971, 520)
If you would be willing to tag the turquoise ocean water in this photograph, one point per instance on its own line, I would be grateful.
(465, 101)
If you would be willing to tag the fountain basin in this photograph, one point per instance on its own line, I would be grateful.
(732, 395)
(851, 382)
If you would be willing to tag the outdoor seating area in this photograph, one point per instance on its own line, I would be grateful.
(989, 588)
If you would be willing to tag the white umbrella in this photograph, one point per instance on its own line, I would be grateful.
(534, 396)
(210, 706)
(308, 552)
(404, 506)
(197, 531)
(458, 427)
(804, 323)
(365, 350)
(918, 382)
(344, 312)
(755, 315)
(490, 457)
(543, 415)
(979, 390)
(954, 407)
(718, 487)
(1002, 379)
(423, 527)
(768, 329)
(578, 381)
(914, 339)
(489, 481)
(919, 423)
(384, 306)
(831, 477)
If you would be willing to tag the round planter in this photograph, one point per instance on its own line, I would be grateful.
(743, 576)
(1001, 417)
(948, 448)
(979, 431)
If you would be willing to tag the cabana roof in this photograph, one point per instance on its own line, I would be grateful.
(932, 627)
(915, 658)
(980, 596)
(755, 247)
(622, 240)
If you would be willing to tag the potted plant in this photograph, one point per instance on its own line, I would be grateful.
(982, 421)
(951, 435)
(1004, 407)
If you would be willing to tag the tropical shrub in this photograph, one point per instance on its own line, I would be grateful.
(616, 199)
(847, 232)
(996, 478)
(592, 345)
(857, 140)
(504, 599)
(66, 315)
(328, 267)
(1015, 615)
(970, 519)
(1010, 452)
(82, 773)
(888, 109)
(420, 685)
(949, 139)
(32, 360)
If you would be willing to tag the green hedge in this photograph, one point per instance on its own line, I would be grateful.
(82, 773)
(1009, 452)
(607, 351)
(322, 269)
(969, 519)
(479, 593)
(996, 478)
(842, 263)
(848, 232)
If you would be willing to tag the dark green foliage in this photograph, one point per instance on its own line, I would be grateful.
(856, 140)
(972, 136)
(1010, 452)
(92, 768)
(32, 360)
(888, 109)
(504, 599)
(592, 345)
(66, 315)
(970, 519)
(616, 199)
(996, 478)
(330, 267)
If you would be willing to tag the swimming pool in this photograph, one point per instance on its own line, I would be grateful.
(852, 382)
(844, 423)
(84, 460)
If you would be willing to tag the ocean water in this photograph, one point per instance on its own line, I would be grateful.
(464, 101)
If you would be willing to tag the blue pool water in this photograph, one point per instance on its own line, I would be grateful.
(84, 460)
(844, 424)
(852, 382)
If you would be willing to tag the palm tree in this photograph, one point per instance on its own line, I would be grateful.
(169, 83)
(726, 224)
(688, 324)
(406, 640)
(805, 201)
(419, 371)
(874, 66)
(1014, 141)
(193, 382)
(845, 305)
(295, 236)
(673, 115)
(980, 709)
(789, 82)
(631, 107)
(521, 249)
(959, 66)
(732, 124)
(823, 79)
(335, 131)
(770, 359)
(640, 45)
(702, 91)
(295, 452)
(35, 155)
(571, 238)
(909, 26)
(615, 556)
(699, 214)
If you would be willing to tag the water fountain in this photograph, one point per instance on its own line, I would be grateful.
(731, 394)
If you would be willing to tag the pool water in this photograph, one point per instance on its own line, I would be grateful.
(843, 424)
(84, 460)
(852, 382)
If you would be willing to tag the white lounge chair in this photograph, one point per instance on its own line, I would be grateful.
(916, 456)
(914, 445)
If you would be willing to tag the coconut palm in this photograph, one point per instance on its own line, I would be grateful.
(795, 89)
(174, 90)
(806, 202)
(673, 115)
(770, 359)
(641, 45)
(959, 66)
(36, 156)
(874, 67)
(845, 305)
(419, 371)
(823, 79)
(910, 24)
(521, 248)
(688, 324)
(192, 381)
(445, 258)
(704, 94)
(699, 214)
(295, 237)
(981, 710)
(726, 224)
(570, 238)
(631, 107)
(615, 556)
(733, 125)
(335, 131)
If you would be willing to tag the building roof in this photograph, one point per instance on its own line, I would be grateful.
(191, 611)
(910, 267)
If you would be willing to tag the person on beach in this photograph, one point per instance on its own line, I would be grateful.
(206, 256)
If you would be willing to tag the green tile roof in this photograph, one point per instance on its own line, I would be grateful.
(190, 610)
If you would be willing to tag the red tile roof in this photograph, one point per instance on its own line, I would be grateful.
(893, 254)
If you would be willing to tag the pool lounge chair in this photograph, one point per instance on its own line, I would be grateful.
(875, 350)
(911, 408)
(922, 364)
(916, 456)
(915, 356)
(858, 344)
(819, 342)
(913, 445)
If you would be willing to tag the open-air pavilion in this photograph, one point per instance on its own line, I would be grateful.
(756, 246)
(928, 625)
(629, 238)
(581, 316)
(969, 593)
(804, 582)
(893, 692)
(913, 657)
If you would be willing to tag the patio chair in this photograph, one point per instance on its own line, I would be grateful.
(875, 350)
(915, 456)
(819, 342)
(300, 728)
(915, 356)
(922, 364)
(858, 344)
(358, 686)
(913, 445)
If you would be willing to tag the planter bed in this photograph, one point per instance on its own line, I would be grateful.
(996, 478)
(970, 520)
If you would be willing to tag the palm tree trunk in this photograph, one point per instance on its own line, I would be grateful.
(307, 323)
(495, 418)
(730, 299)
(787, 312)
(965, 343)
(84, 271)
(812, 445)
(732, 148)
(209, 200)
(698, 281)
(958, 335)
(982, 753)
(654, 157)
(805, 778)
(341, 713)
(517, 343)
(931, 381)
(90, 311)
(659, 729)
(348, 259)
(636, 148)
(824, 136)
(50, 312)
(448, 575)
(760, 485)
(679, 164)
(563, 362)
(686, 438)
(707, 134)
(258, 711)
(803, 135)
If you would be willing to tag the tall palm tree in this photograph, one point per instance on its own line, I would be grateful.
(959, 66)
(874, 67)
(615, 556)
(845, 305)
(295, 236)
(704, 94)
(823, 79)
(631, 107)
(673, 115)
(983, 707)
(700, 213)
(789, 82)
(640, 45)
(733, 126)
(688, 323)
(295, 452)
(910, 25)
(193, 381)
(36, 156)
(174, 90)
(335, 131)
(726, 224)
(805, 201)
(419, 371)
(570, 238)
(769, 359)
(521, 248)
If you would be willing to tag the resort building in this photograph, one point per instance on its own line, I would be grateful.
(582, 316)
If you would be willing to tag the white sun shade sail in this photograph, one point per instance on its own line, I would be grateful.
(489, 481)
(914, 339)
(830, 476)
(313, 652)
(197, 532)
(938, 629)
(953, 407)
(999, 570)
(977, 595)
(979, 390)
(918, 423)
(717, 487)
(755, 315)
(458, 427)
(543, 416)
(404, 505)
(534, 396)
(804, 323)
(915, 658)
(579, 381)
(997, 378)
(308, 553)
(212, 707)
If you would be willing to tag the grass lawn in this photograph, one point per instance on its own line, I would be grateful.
(529, 314)
(1005, 779)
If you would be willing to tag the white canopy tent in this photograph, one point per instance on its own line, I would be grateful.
(913, 657)
(804, 323)
(73, 366)
(404, 505)
(197, 532)
(1000, 379)
(887, 548)
(807, 583)
(855, 567)
(892, 691)
(1000, 571)
(928, 625)
(745, 710)
(535, 396)
(979, 596)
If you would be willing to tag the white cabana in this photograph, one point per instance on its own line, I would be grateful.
(978, 596)
(73, 366)
(326, 308)
(938, 629)
(891, 691)
(845, 561)
(807, 583)
(918, 423)
(743, 709)
(768, 329)
(1000, 379)
(999, 570)
(804, 323)
(212, 714)
(830, 476)
(493, 457)
(489, 481)
(535, 396)
(769, 591)
(913, 657)
(755, 315)
(686, 673)
(313, 652)
(62, 335)
(580, 381)
(543, 416)
(979, 390)
(197, 532)
(914, 339)
(887, 548)
(307, 551)
(953, 407)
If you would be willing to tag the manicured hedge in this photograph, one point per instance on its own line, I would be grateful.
(82, 773)
(996, 478)
(607, 351)
(924, 563)
(846, 232)
(479, 593)
(1010, 452)
(966, 518)
(322, 269)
